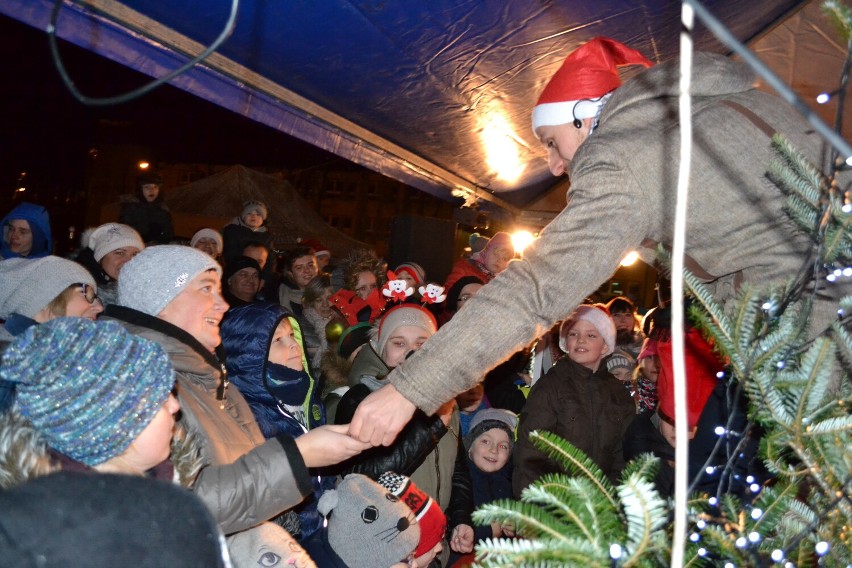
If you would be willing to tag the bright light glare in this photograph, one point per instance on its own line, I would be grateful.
(630, 259)
(521, 240)
(144, 165)
(501, 148)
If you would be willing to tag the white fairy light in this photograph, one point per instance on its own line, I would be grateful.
(700, 524)
(702, 551)
(754, 536)
(822, 548)
(750, 479)
(615, 551)
(710, 469)
(694, 537)
(847, 208)
(720, 375)
(712, 501)
(756, 514)
(777, 555)
(831, 277)
(720, 430)
(741, 542)
(754, 487)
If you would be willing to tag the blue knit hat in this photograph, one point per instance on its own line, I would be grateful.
(89, 388)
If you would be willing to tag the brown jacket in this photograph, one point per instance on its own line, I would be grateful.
(589, 409)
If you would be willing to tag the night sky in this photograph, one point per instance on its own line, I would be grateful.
(47, 132)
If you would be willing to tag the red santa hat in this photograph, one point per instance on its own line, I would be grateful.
(588, 73)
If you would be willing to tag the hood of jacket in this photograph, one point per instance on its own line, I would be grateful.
(367, 363)
(39, 222)
(247, 333)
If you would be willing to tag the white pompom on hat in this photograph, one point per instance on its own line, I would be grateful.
(595, 316)
(588, 73)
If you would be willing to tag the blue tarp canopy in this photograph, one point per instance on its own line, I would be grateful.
(437, 94)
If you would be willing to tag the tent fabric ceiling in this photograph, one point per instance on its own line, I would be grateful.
(436, 94)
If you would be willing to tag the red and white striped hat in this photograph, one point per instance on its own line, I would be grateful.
(588, 73)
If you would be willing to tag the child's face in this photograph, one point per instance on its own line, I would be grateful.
(586, 345)
(403, 339)
(623, 374)
(285, 350)
(490, 451)
(424, 560)
(651, 367)
(153, 445)
(409, 279)
(253, 220)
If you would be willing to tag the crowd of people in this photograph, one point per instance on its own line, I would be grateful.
(302, 396)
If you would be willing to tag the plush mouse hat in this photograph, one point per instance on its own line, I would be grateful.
(430, 517)
(368, 526)
(589, 72)
(594, 315)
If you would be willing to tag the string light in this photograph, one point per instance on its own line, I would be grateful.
(822, 548)
(712, 501)
(754, 536)
(700, 524)
(754, 487)
(756, 514)
(741, 542)
(694, 537)
(702, 551)
(720, 430)
(615, 551)
(720, 375)
(777, 555)
(847, 208)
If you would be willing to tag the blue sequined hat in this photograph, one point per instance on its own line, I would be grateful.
(89, 388)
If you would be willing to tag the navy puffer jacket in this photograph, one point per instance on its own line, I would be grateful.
(247, 334)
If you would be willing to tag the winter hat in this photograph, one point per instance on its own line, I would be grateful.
(588, 73)
(430, 517)
(352, 338)
(702, 364)
(500, 239)
(112, 236)
(456, 289)
(620, 360)
(594, 315)
(477, 242)
(208, 234)
(89, 388)
(258, 207)
(368, 526)
(489, 418)
(27, 286)
(414, 270)
(403, 314)
(316, 246)
(649, 348)
(107, 520)
(155, 276)
(238, 264)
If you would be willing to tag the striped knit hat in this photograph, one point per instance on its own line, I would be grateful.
(89, 388)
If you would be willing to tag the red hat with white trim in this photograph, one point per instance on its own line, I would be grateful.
(588, 73)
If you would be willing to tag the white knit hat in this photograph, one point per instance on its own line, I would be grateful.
(595, 316)
(27, 286)
(155, 276)
(113, 236)
(208, 234)
(403, 314)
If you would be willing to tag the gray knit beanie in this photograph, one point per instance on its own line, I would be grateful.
(155, 276)
(27, 286)
(113, 236)
(368, 526)
(89, 388)
(488, 418)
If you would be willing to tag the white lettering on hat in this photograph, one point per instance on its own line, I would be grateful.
(181, 279)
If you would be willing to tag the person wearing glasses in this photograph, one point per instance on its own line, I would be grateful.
(39, 290)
